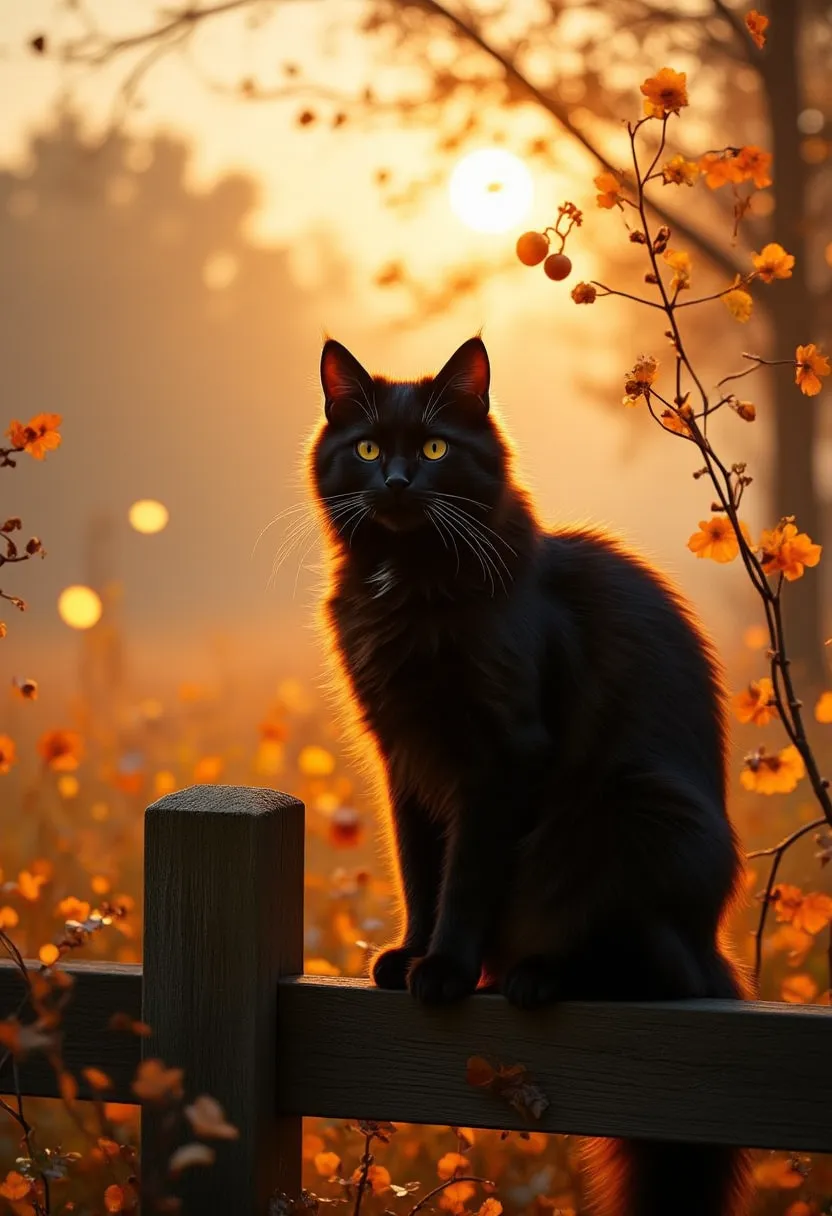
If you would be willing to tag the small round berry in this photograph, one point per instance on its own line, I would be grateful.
(557, 266)
(532, 248)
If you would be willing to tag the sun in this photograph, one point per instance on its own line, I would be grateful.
(491, 190)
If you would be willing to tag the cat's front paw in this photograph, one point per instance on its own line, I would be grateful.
(440, 979)
(531, 983)
(390, 968)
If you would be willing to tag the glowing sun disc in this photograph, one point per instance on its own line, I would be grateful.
(491, 190)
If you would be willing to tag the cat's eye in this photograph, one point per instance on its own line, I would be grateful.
(434, 449)
(368, 449)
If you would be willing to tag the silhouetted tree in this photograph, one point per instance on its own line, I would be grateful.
(577, 63)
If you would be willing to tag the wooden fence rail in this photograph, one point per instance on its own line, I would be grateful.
(221, 988)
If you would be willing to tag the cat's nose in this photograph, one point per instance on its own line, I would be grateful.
(396, 477)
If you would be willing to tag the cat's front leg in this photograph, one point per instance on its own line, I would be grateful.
(420, 851)
(480, 850)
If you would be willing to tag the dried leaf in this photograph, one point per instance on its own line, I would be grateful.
(189, 1155)
(207, 1118)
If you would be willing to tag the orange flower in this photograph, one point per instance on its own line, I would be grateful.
(756, 702)
(776, 773)
(719, 168)
(680, 172)
(679, 262)
(778, 1172)
(29, 885)
(49, 954)
(799, 990)
(37, 436)
(785, 549)
(639, 378)
(97, 1080)
(672, 420)
(823, 708)
(753, 164)
(344, 827)
(452, 1164)
(757, 24)
(15, 1186)
(609, 190)
(454, 1197)
(327, 1164)
(73, 909)
(584, 293)
(155, 1082)
(377, 1176)
(773, 263)
(810, 365)
(716, 539)
(739, 302)
(8, 753)
(665, 93)
(61, 749)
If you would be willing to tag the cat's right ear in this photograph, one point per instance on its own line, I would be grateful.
(348, 387)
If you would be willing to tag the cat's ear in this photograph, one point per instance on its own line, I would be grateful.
(467, 375)
(348, 387)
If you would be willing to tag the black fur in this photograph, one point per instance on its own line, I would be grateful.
(552, 725)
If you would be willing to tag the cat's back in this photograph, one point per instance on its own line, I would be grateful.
(637, 656)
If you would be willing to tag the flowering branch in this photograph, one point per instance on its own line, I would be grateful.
(782, 554)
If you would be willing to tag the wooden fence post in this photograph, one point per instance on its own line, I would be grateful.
(223, 877)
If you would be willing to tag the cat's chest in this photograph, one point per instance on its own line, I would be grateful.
(427, 669)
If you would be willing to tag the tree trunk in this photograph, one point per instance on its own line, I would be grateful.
(793, 318)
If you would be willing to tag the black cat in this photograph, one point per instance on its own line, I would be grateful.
(551, 721)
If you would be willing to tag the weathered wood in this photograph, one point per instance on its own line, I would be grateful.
(223, 920)
(753, 1074)
(99, 991)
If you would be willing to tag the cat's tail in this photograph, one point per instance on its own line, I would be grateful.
(661, 1178)
(656, 1178)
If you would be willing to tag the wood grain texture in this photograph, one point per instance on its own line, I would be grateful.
(223, 920)
(752, 1074)
(100, 990)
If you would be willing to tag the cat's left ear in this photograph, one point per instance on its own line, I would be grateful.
(467, 374)
(348, 387)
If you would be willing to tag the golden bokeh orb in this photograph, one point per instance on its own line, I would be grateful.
(148, 516)
(79, 607)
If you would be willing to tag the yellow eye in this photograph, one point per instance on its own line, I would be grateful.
(367, 449)
(434, 449)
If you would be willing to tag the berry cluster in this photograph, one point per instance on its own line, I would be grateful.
(533, 247)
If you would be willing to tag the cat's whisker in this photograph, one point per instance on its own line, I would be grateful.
(477, 527)
(489, 551)
(300, 531)
(345, 509)
(464, 534)
(480, 528)
(306, 505)
(433, 517)
(460, 498)
(480, 524)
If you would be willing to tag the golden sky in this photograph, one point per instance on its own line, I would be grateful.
(318, 201)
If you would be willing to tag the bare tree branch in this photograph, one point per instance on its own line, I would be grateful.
(719, 256)
(173, 31)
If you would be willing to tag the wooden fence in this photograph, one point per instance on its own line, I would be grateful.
(221, 989)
